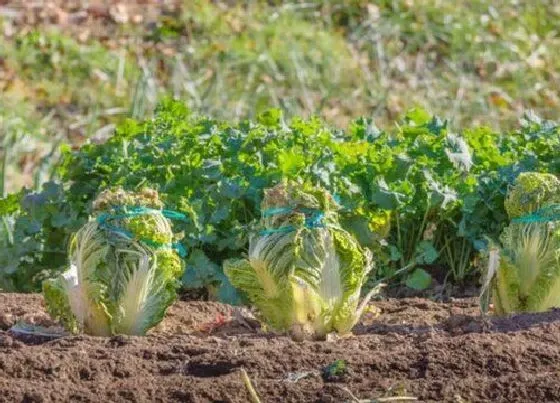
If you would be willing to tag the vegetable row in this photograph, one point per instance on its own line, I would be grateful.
(303, 272)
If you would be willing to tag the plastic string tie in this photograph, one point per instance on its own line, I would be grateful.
(136, 211)
(546, 214)
(313, 219)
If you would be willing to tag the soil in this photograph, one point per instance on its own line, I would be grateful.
(414, 347)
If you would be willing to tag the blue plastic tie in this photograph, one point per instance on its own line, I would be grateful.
(313, 219)
(286, 229)
(546, 214)
(137, 211)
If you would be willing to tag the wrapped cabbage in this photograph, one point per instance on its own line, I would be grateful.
(123, 268)
(524, 274)
(303, 272)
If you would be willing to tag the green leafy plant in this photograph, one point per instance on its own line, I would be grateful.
(499, 159)
(334, 371)
(524, 276)
(215, 172)
(38, 226)
(420, 197)
(304, 272)
(9, 209)
(430, 171)
(123, 269)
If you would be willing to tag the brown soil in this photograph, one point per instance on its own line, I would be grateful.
(416, 347)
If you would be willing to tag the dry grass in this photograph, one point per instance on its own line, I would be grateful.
(68, 73)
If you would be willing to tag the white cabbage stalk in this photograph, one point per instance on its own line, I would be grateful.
(76, 296)
(143, 296)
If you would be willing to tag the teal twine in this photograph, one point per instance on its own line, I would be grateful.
(276, 211)
(545, 214)
(177, 246)
(313, 219)
(137, 211)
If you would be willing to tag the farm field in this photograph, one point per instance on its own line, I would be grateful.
(416, 348)
(279, 201)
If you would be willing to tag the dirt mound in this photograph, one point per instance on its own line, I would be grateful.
(415, 347)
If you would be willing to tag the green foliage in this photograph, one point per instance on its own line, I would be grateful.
(117, 282)
(417, 195)
(38, 233)
(501, 158)
(428, 172)
(215, 172)
(419, 279)
(476, 63)
(9, 208)
(10, 204)
(303, 272)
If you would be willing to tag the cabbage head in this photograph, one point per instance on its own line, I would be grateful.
(123, 269)
(304, 273)
(525, 274)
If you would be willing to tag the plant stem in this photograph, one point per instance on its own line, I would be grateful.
(399, 239)
(8, 230)
(465, 257)
(460, 268)
(424, 219)
(252, 392)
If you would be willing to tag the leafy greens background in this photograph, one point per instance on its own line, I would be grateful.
(417, 195)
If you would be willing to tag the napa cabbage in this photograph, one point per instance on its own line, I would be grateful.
(123, 268)
(524, 272)
(304, 273)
